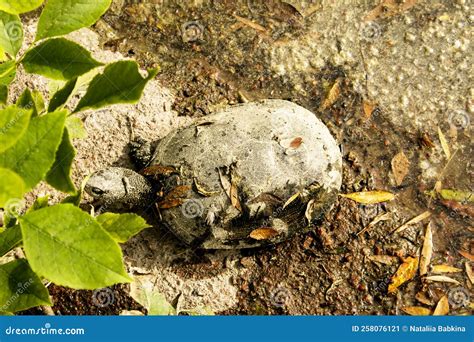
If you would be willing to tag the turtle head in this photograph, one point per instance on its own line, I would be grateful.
(119, 188)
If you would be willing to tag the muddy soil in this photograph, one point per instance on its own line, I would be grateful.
(217, 53)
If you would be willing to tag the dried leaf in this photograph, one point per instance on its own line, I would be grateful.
(426, 251)
(158, 170)
(170, 203)
(443, 279)
(201, 190)
(414, 220)
(251, 24)
(445, 269)
(467, 255)
(442, 308)
(400, 166)
(333, 94)
(234, 197)
(175, 197)
(457, 195)
(296, 142)
(263, 233)
(422, 298)
(291, 199)
(383, 259)
(417, 310)
(368, 108)
(389, 8)
(469, 272)
(370, 197)
(405, 272)
(444, 144)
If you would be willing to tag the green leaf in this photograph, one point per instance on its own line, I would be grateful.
(10, 239)
(31, 100)
(122, 226)
(13, 125)
(59, 59)
(68, 247)
(7, 72)
(77, 197)
(59, 176)
(19, 6)
(75, 126)
(60, 98)
(151, 299)
(3, 94)
(11, 186)
(120, 82)
(34, 154)
(11, 33)
(20, 287)
(61, 17)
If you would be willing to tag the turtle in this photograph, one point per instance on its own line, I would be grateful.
(250, 175)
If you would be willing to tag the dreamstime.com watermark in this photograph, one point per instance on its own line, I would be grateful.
(46, 330)
(21, 288)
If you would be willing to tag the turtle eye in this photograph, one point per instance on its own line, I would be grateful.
(97, 192)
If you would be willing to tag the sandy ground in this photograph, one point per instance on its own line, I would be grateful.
(411, 65)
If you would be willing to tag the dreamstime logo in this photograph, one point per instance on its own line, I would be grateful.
(370, 31)
(103, 297)
(460, 119)
(13, 31)
(192, 208)
(458, 297)
(280, 297)
(192, 31)
(21, 288)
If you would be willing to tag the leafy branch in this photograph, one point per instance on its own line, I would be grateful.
(61, 243)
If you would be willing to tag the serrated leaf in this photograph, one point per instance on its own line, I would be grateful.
(60, 98)
(61, 17)
(7, 72)
(10, 239)
(417, 310)
(426, 251)
(20, 287)
(59, 59)
(370, 197)
(13, 125)
(31, 100)
(122, 226)
(145, 293)
(68, 247)
(19, 6)
(11, 33)
(59, 176)
(405, 272)
(120, 82)
(442, 308)
(11, 186)
(35, 152)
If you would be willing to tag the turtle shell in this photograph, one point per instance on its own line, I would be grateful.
(250, 175)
